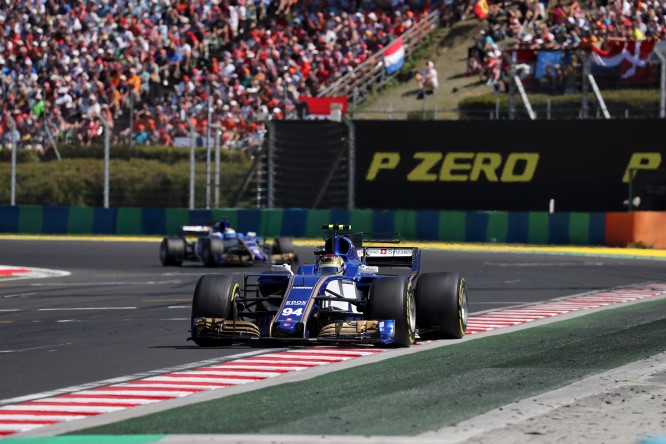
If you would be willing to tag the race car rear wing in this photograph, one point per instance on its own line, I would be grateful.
(195, 230)
(361, 237)
(384, 256)
(381, 256)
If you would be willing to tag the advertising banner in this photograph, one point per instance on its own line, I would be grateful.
(321, 107)
(581, 165)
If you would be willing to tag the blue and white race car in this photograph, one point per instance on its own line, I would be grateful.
(219, 244)
(342, 297)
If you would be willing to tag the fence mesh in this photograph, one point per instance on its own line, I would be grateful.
(309, 167)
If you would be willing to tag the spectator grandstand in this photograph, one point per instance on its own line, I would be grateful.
(546, 36)
(150, 66)
(63, 63)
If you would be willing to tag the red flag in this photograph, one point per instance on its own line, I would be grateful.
(631, 57)
(481, 9)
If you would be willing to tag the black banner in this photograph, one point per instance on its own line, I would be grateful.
(583, 165)
(307, 165)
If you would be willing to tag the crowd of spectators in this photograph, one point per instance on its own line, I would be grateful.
(63, 64)
(561, 25)
(149, 68)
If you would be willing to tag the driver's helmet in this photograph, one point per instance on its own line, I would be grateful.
(331, 264)
(220, 226)
(229, 233)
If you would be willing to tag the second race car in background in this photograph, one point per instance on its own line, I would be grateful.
(219, 244)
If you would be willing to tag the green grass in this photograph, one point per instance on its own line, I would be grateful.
(449, 53)
(428, 390)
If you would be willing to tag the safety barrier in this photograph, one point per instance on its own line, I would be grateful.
(536, 228)
(639, 227)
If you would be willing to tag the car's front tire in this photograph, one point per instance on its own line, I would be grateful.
(212, 248)
(214, 297)
(283, 245)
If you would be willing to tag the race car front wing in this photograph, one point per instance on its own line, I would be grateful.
(381, 331)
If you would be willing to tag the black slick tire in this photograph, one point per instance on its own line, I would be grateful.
(283, 245)
(172, 251)
(214, 297)
(441, 305)
(392, 298)
(212, 248)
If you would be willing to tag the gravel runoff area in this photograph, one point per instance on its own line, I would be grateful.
(618, 406)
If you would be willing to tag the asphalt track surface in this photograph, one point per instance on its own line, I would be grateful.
(120, 313)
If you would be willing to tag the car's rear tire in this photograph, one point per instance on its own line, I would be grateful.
(283, 245)
(212, 248)
(214, 297)
(392, 298)
(441, 305)
(172, 251)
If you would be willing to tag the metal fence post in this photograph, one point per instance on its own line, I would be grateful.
(354, 102)
(131, 121)
(270, 188)
(662, 86)
(208, 148)
(107, 155)
(632, 174)
(218, 133)
(662, 83)
(586, 87)
(14, 140)
(48, 133)
(512, 87)
(192, 146)
(600, 100)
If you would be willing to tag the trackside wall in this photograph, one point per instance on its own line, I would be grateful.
(538, 228)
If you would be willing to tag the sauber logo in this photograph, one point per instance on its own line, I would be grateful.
(380, 251)
(389, 252)
(458, 166)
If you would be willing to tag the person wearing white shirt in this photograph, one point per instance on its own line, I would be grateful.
(427, 79)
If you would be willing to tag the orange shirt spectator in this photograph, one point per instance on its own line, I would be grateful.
(134, 82)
